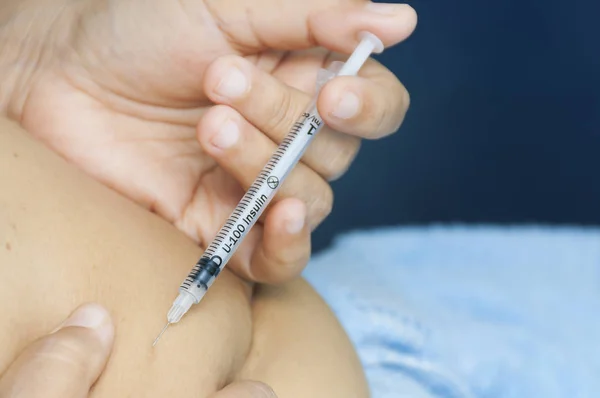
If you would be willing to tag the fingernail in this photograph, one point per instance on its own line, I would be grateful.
(347, 107)
(260, 390)
(233, 84)
(227, 135)
(295, 221)
(92, 316)
(385, 8)
(406, 99)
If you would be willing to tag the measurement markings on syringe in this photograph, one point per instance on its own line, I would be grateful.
(314, 122)
(242, 219)
(240, 228)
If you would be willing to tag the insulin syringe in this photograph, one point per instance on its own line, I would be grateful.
(264, 188)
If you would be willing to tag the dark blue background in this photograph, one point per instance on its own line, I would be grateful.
(504, 125)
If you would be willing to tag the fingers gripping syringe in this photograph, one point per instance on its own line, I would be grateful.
(264, 188)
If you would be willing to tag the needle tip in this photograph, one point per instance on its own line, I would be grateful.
(160, 334)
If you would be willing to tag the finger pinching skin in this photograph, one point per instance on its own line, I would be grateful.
(66, 362)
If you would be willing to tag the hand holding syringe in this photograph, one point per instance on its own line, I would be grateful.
(262, 191)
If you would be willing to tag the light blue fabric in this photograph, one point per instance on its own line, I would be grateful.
(476, 312)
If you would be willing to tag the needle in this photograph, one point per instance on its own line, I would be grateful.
(161, 333)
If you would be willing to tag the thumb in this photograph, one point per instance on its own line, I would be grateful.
(246, 389)
(255, 26)
(65, 363)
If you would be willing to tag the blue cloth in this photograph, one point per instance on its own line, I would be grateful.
(476, 312)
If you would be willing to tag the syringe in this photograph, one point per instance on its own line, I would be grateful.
(264, 188)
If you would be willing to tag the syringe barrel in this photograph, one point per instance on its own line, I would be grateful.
(254, 202)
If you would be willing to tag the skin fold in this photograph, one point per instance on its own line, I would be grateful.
(123, 175)
(65, 239)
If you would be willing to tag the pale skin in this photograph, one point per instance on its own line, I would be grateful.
(65, 239)
(67, 362)
(178, 105)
